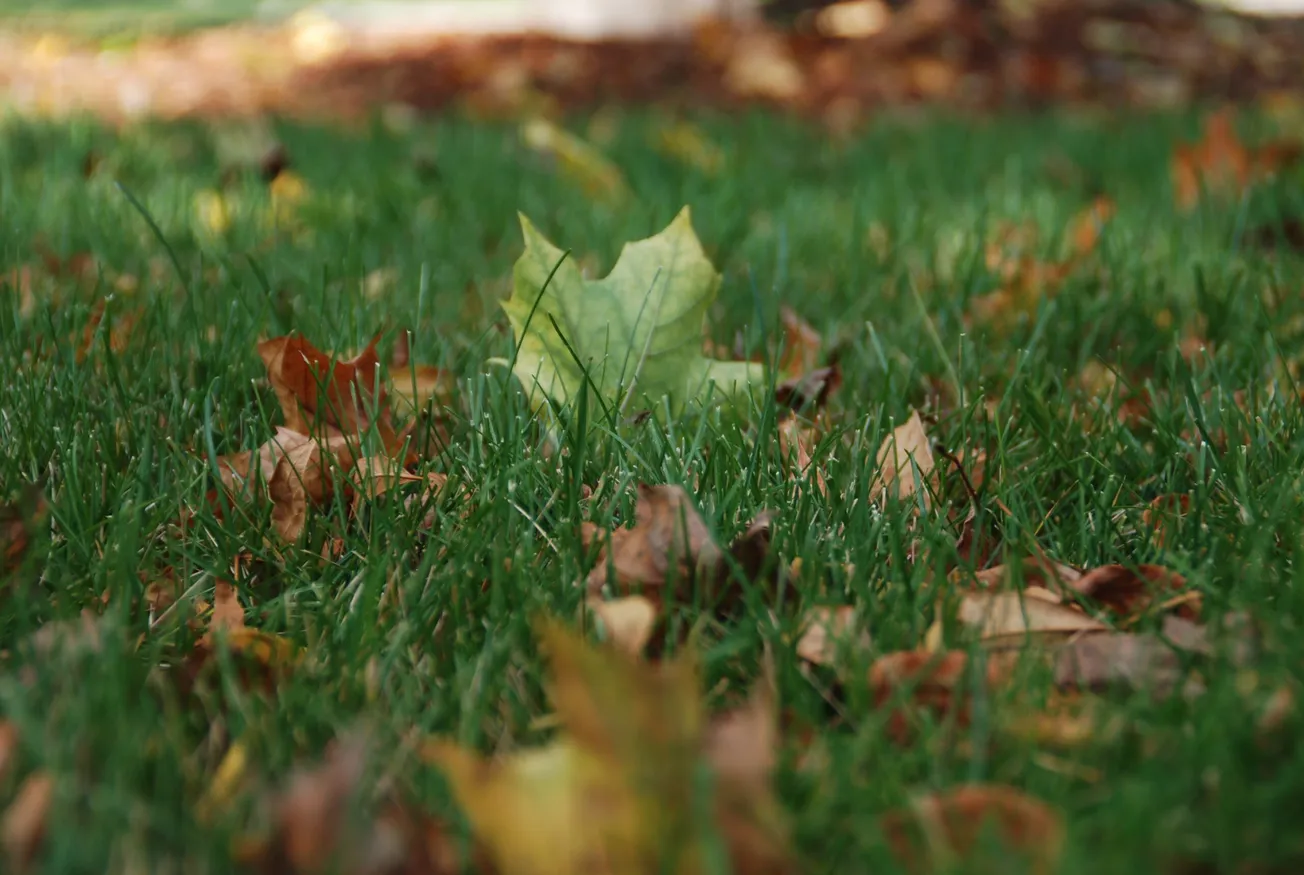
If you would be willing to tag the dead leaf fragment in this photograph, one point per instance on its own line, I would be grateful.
(1134, 661)
(1220, 164)
(23, 827)
(669, 542)
(628, 620)
(829, 634)
(228, 614)
(310, 813)
(905, 461)
(943, 829)
(940, 684)
(1129, 592)
(8, 746)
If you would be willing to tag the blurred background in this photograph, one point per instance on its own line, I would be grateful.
(833, 61)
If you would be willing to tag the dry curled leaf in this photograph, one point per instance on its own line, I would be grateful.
(952, 827)
(904, 462)
(668, 543)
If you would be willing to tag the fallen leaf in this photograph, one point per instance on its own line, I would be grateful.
(613, 794)
(633, 336)
(830, 634)
(595, 174)
(628, 621)
(22, 829)
(8, 747)
(762, 66)
(1163, 514)
(311, 812)
(685, 143)
(302, 478)
(1129, 592)
(1012, 619)
(796, 441)
(904, 462)
(1136, 661)
(742, 748)
(322, 396)
(940, 684)
(668, 543)
(228, 614)
(1032, 571)
(1220, 164)
(943, 829)
(802, 345)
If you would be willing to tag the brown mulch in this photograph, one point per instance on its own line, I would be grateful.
(979, 54)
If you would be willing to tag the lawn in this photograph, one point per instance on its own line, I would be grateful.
(1158, 372)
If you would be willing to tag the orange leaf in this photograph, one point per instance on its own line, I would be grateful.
(319, 393)
(23, 827)
(941, 829)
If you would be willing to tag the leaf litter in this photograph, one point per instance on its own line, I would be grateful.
(615, 790)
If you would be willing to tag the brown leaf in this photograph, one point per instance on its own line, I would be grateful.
(301, 477)
(904, 450)
(320, 395)
(8, 747)
(1129, 592)
(802, 345)
(796, 441)
(942, 829)
(829, 634)
(629, 621)
(1220, 164)
(228, 614)
(669, 541)
(23, 828)
(1012, 619)
(938, 683)
(742, 748)
(1033, 571)
(1163, 514)
(1103, 660)
(742, 744)
(311, 813)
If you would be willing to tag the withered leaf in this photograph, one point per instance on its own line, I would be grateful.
(320, 395)
(1128, 592)
(905, 461)
(942, 829)
(1033, 571)
(938, 683)
(1011, 619)
(1137, 661)
(22, 829)
(628, 620)
(830, 633)
(8, 746)
(669, 542)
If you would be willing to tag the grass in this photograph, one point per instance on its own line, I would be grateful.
(117, 442)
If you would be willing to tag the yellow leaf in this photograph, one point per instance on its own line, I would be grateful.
(583, 163)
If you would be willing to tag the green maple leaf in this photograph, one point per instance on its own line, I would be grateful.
(632, 336)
